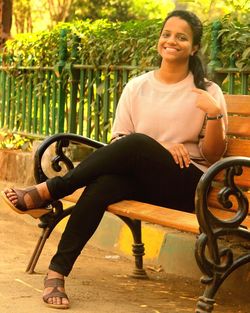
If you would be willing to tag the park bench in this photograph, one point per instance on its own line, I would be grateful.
(222, 208)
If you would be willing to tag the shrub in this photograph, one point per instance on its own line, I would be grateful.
(131, 43)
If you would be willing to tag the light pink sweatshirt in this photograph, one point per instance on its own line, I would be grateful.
(165, 112)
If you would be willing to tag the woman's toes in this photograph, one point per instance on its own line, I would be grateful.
(65, 301)
(58, 301)
(50, 300)
(11, 195)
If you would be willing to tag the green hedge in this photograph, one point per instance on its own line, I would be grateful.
(131, 43)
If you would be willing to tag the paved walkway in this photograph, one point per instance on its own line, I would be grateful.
(99, 282)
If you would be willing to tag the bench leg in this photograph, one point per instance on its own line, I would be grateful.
(206, 302)
(138, 253)
(204, 305)
(37, 251)
(137, 247)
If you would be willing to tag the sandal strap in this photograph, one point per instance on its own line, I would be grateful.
(34, 195)
(55, 293)
(53, 282)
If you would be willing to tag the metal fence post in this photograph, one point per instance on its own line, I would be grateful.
(215, 45)
(215, 50)
(2, 92)
(73, 81)
(231, 76)
(59, 70)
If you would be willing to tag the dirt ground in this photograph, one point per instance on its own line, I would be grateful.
(99, 282)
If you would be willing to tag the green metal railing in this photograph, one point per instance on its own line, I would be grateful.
(76, 98)
(81, 99)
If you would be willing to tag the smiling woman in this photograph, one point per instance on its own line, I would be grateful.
(171, 125)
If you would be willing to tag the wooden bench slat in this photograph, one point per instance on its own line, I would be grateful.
(167, 217)
(238, 104)
(183, 221)
(238, 147)
(242, 180)
(239, 126)
(156, 215)
(149, 213)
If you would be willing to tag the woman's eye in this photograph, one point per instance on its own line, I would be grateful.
(178, 37)
(182, 38)
(165, 35)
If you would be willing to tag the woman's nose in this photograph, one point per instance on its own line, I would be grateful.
(171, 39)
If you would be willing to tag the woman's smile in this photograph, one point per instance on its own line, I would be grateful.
(171, 49)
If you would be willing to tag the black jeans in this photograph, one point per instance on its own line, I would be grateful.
(134, 167)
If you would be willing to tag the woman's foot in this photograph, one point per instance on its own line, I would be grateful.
(54, 293)
(33, 200)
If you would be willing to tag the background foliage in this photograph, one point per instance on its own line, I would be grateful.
(12, 141)
(120, 31)
(44, 14)
(115, 32)
(131, 42)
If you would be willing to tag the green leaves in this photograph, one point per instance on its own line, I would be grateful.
(235, 40)
(118, 43)
(101, 42)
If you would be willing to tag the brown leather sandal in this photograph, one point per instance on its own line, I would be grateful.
(55, 282)
(40, 205)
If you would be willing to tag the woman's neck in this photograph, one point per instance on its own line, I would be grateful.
(171, 73)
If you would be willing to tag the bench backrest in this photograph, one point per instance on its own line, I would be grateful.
(239, 125)
(238, 138)
(239, 130)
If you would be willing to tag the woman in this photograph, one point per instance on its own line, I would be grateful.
(170, 126)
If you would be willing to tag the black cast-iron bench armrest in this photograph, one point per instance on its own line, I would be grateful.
(217, 259)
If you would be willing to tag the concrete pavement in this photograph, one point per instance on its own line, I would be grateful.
(99, 282)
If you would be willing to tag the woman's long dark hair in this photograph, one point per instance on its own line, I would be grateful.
(195, 64)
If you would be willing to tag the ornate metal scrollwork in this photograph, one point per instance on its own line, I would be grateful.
(61, 141)
(60, 156)
(216, 260)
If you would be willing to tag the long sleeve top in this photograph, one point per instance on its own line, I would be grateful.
(166, 112)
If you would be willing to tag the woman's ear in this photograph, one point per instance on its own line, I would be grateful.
(194, 49)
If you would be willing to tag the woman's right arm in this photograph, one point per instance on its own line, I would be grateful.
(123, 122)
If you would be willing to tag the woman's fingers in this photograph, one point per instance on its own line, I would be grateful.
(180, 155)
(206, 102)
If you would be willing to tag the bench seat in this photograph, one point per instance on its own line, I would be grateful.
(154, 214)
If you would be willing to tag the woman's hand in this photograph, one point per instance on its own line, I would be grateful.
(213, 143)
(179, 153)
(206, 102)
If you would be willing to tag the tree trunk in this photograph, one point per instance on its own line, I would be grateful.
(59, 10)
(5, 19)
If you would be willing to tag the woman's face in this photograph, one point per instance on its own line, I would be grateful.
(176, 41)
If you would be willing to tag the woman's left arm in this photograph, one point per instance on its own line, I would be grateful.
(214, 140)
